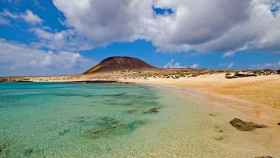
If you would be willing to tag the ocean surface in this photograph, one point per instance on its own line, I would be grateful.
(79, 120)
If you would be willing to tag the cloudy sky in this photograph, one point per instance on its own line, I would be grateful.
(68, 36)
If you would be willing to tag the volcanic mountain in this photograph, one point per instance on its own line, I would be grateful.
(120, 63)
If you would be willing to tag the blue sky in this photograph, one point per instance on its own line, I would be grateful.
(57, 37)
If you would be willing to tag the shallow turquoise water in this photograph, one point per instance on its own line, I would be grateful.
(74, 120)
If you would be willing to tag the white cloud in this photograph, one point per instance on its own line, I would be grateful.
(201, 25)
(19, 59)
(273, 65)
(230, 65)
(28, 16)
(173, 64)
(194, 66)
(107, 21)
(66, 40)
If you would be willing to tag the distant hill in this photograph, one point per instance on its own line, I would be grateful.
(119, 63)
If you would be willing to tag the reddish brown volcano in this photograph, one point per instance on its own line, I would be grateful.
(119, 63)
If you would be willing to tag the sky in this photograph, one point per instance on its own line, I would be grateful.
(54, 37)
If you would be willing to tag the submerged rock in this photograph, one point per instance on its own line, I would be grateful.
(264, 157)
(3, 150)
(63, 132)
(245, 126)
(278, 123)
(152, 110)
(132, 111)
(108, 122)
(28, 151)
(111, 127)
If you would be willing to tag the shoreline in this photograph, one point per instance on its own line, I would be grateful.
(252, 105)
(223, 108)
(218, 111)
(258, 94)
(203, 114)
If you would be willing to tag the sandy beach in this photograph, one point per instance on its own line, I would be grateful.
(258, 94)
(254, 99)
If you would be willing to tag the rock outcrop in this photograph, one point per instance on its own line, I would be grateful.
(250, 73)
(240, 74)
(244, 125)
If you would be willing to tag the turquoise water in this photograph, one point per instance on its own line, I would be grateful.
(74, 120)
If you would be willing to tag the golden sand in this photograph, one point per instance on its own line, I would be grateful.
(254, 99)
(263, 90)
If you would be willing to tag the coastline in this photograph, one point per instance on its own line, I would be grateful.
(224, 107)
(248, 95)
(197, 121)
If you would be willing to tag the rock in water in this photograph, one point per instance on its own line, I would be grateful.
(28, 151)
(152, 110)
(3, 150)
(245, 126)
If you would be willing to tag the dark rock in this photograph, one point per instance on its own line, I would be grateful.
(3, 150)
(219, 138)
(240, 74)
(132, 111)
(212, 114)
(112, 129)
(278, 71)
(108, 122)
(245, 126)
(152, 110)
(220, 131)
(65, 131)
(230, 75)
(28, 151)
(278, 123)
(264, 157)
